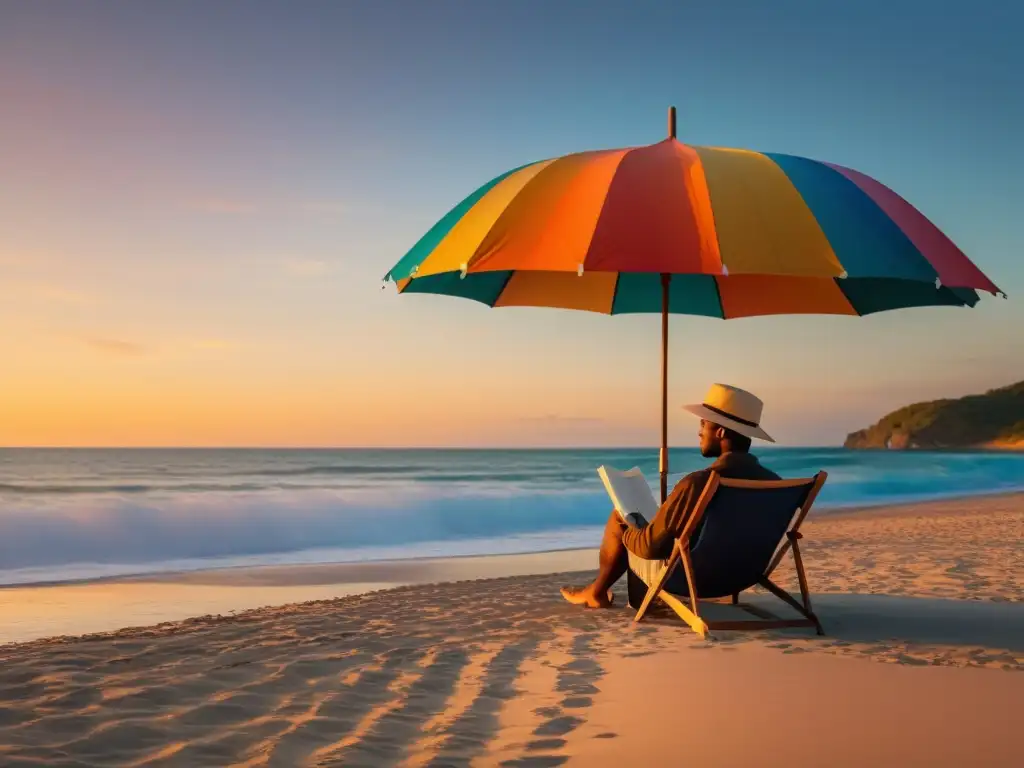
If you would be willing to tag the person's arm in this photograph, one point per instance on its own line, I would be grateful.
(654, 540)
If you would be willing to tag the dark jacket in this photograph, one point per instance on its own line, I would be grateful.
(654, 540)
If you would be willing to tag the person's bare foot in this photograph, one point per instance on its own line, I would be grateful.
(585, 596)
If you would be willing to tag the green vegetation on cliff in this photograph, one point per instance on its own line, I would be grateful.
(995, 418)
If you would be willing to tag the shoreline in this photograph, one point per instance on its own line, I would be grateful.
(834, 512)
(34, 612)
(898, 507)
(993, 447)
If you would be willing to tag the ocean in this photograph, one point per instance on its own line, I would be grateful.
(71, 514)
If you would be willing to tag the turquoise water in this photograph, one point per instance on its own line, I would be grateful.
(73, 514)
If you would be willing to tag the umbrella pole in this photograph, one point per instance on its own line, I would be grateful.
(665, 278)
(663, 460)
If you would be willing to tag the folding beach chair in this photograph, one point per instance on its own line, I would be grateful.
(738, 534)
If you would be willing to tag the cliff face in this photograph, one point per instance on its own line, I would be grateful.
(994, 419)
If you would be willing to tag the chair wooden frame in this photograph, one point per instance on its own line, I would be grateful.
(766, 620)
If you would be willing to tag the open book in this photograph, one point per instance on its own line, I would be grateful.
(629, 491)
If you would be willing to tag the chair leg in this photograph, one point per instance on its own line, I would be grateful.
(695, 622)
(653, 591)
(801, 575)
(690, 615)
(788, 599)
(782, 594)
(688, 567)
(651, 594)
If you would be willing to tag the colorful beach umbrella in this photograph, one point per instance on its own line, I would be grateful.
(672, 228)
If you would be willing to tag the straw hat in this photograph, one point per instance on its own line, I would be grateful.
(733, 408)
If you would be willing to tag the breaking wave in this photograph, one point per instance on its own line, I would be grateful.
(67, 515)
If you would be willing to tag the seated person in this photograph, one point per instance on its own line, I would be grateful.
(729, 418)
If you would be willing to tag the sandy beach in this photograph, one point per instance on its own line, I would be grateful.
(477, 661)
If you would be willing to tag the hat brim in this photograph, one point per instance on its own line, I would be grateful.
(706, 413)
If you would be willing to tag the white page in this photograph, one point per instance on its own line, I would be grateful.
(629, 491)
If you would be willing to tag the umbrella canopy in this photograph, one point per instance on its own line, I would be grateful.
(672, 228)
(743, 233)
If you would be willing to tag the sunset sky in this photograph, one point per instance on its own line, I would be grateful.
(198, 201)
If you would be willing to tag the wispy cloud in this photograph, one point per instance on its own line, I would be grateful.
(115, 347)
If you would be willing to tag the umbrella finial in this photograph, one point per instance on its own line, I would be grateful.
(671, 122)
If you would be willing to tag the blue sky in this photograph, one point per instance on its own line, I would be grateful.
(199, 200)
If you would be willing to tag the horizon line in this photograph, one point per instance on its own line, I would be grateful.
(609, 447)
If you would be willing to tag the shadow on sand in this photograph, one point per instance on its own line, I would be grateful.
(859, 618)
